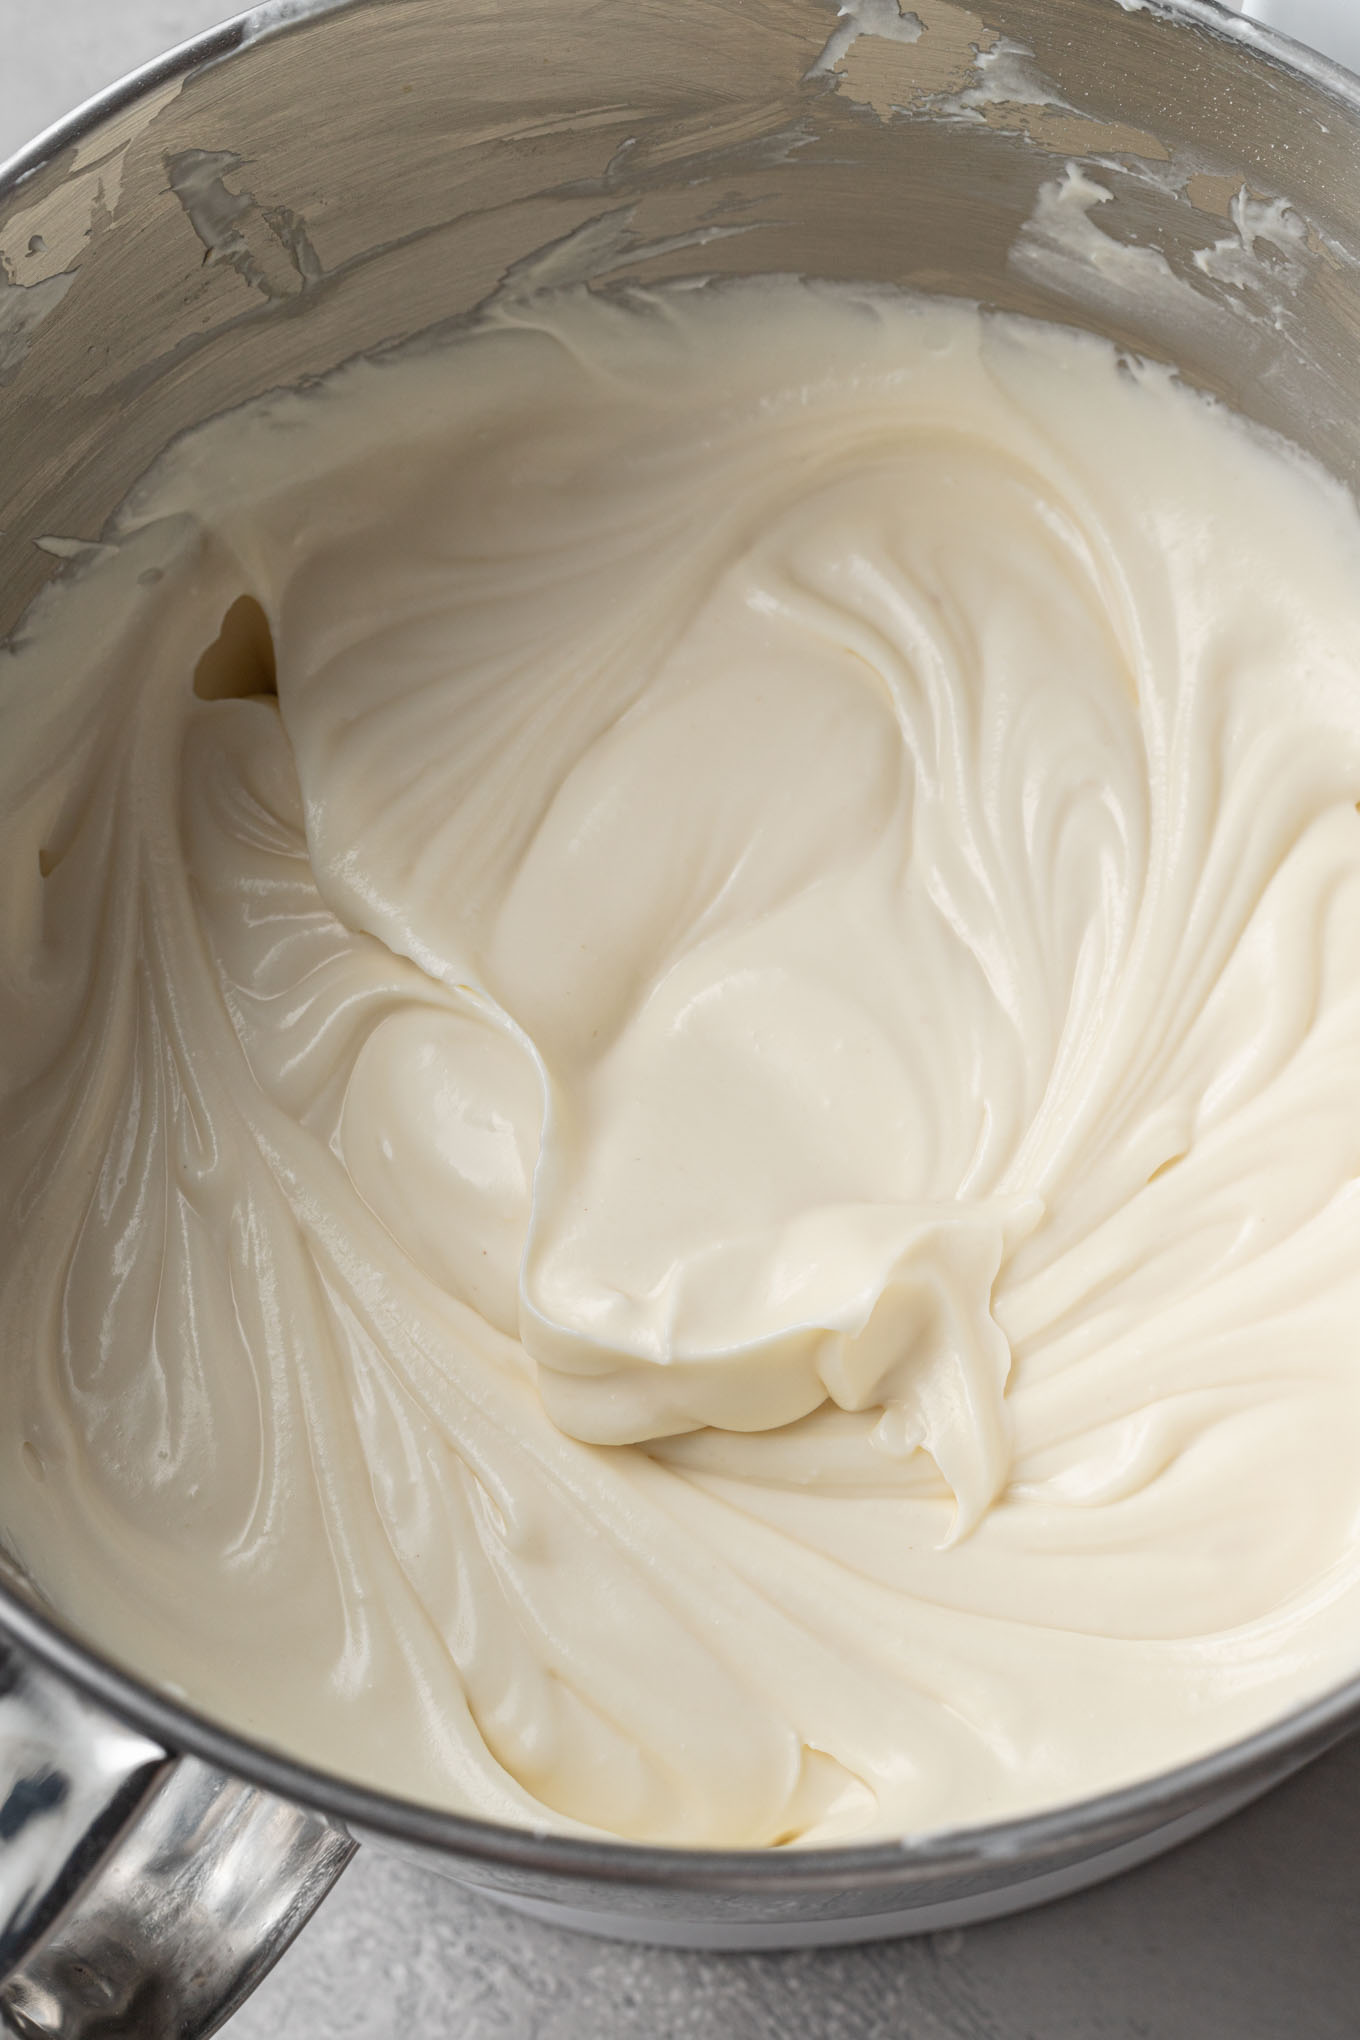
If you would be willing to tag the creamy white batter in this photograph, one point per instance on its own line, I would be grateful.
(705, 1184)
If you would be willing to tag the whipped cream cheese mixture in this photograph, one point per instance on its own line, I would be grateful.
(680, 1108)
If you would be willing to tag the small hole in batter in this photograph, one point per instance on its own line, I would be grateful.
(239, 664)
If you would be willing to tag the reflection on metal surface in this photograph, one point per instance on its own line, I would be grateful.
(70, 1780)
(139, 1895)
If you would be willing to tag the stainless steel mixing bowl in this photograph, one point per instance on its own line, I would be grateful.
(313, 180)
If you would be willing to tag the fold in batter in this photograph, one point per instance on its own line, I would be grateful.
(680, 1091)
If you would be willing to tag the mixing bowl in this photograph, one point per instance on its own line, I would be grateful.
(312, 180)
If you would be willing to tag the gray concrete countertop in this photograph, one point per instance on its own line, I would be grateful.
(1251, 1933)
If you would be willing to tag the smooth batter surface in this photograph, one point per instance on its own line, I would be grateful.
(705, 1182)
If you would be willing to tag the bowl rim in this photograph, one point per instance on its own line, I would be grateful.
(1229, 1773)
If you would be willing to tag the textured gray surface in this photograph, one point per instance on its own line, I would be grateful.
(1248, 1934)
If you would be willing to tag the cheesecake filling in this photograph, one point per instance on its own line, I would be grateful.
(680, 1070)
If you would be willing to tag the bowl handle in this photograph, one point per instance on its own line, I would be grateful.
(141, 1894)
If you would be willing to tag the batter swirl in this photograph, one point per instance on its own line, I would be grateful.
(679, 1125)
